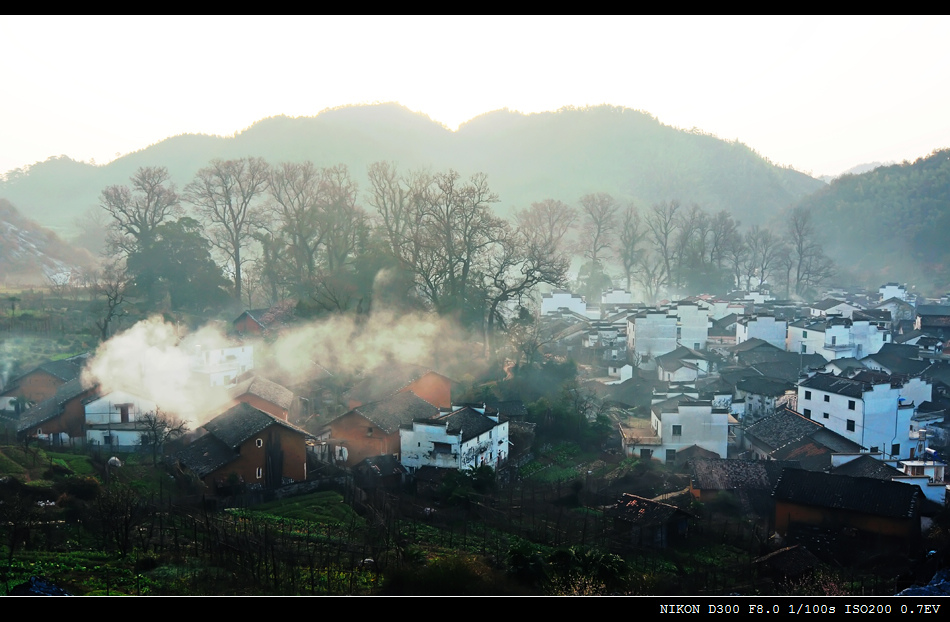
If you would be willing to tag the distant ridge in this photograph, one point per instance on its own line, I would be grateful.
(891, 223)
(527, 158)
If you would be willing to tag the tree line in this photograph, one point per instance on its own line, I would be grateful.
(258, 232)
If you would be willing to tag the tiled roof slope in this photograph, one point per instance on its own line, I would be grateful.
(857, 494)
(241, 422)
(397, 410)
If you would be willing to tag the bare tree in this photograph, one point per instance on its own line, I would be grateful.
(159, 428)
(661, 222)
(110, 287)
(548, 221)
(763, 248)
(632, 233)
(344, 222)
(520, 261)
(138, 210)
(598, 224)
(812, 266)
(295, 204)
(227, 195)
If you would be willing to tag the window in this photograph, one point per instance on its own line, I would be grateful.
(260, 472)
(807, 395)
(850, 425)
(696, 345)
(850, 404)
(369, 431)
(646, 454)
(804, 336)
(825, 415)
(896, 449)
(875, 449)
(807, 413)
(677, 430)
(670, 455)
(441, 448)
(259, 442)
(827, 398)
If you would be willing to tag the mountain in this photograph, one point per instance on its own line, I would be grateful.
(891, 223)
(527, 158)
(855, 170)
(30, 254)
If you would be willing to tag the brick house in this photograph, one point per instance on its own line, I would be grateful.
(250, 445)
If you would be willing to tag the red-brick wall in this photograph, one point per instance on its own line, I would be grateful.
(252, 457)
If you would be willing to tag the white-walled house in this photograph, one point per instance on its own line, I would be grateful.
(114, 419)
(764, 327)
(893, 290)
(562, 299)
(220, 367)
(464, 438)
(692, 324)
(651, 334)
(835, 338)
(675, 425)
(876, 415)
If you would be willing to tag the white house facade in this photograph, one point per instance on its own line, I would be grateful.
(461, 439)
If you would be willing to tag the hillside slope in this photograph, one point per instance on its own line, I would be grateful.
(527, 158)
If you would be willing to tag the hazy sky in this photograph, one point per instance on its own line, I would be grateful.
(820, 94)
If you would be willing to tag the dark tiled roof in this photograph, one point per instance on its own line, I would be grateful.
(51, 408)
(386, 380)
(243, 421)
(206, 455)
(737, 474)
(467, 422)
(857, 494)
(836, 384)
(760, 385)
(866, 466)
(510, 408)
(264, 389)
(781, 428)
(644, 512)
(381, 466)
(66, 369)
(753, 344)
(400, 409)
(933, 310)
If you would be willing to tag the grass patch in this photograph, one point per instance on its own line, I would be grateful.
(79, 464)
(8, 466)
(322, 507)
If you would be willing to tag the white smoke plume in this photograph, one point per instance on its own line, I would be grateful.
(151, 361)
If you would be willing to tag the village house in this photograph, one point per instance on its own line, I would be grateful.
(682, 365)
(648, 522)
(60, 419)
(764, 327)
(41, 383)
(562, 299)
(220, 367)
(830, 306)
(678, 423)
(835, 338)
(115, 419)
(884, 514)
(650, 334)
(787, 435)
(875, 413)
(933, 319)
(265, 395)
(467, 437)
(373, 429)
(387, 380)
(247, 445)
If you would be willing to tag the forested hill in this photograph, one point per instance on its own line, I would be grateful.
(527, 158)
(892, 223)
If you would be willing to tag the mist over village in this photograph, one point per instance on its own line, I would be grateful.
(514, 347)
